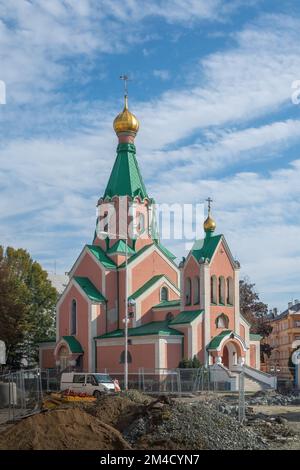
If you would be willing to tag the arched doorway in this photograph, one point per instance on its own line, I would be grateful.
(230, 353)
(225, 358)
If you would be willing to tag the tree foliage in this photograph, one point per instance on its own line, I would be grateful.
(255, 312)
(190, 363)
(28, 304)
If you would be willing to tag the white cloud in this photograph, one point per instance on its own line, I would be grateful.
(162, 74)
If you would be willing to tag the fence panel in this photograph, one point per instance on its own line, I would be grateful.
(20, 394)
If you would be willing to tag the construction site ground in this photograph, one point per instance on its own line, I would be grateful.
(133, 420)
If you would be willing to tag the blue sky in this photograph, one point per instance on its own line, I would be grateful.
(211, 86)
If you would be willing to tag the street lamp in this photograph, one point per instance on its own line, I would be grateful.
(126, 305)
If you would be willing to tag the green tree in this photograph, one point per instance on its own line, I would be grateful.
(255, 312)
(190, 363)
(13, 311)
(38, 297)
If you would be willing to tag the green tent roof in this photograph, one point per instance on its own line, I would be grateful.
(90, 290)
(186, 316)
(215, 342)
(254, 337)
(206, 247)
(120, 247)
(125, 178)
(101, 256)
(153, 328)
(168, 303)
(74, 345)
(146, 286)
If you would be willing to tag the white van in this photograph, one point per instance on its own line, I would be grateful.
(92, 384)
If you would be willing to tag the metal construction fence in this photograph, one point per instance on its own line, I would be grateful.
(286, 376)
(21, 394)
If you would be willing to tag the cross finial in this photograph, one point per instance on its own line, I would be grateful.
(209, 201)
(125, 78)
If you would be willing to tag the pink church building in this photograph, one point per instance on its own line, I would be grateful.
(175, 312)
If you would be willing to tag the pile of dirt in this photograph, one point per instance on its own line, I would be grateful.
(120, 411)
(62, 429)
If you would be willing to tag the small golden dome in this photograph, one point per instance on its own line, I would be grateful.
(209, 225)
(126, 121)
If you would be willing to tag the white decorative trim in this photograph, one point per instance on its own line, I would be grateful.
(237, 300)
(205, 276)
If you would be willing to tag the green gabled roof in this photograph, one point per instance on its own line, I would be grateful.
(168, 303)
(136, 255)
(73, 343)
(125, 178)
(146, 286)
(215, 342)
(120, 247)
(166, 251)
(152, 328)
(101, 256)
(206, 247)
(90, 290)
(186, 316)
(254, 337)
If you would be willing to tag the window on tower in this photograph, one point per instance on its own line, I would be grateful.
(229, 293)
(213, 289)
(188, 291)
(196, 290)
(221, 290)
(73, 317)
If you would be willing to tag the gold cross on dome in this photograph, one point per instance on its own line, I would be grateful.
(125, 78)
(209, 201)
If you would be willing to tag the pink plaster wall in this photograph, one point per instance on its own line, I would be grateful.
(191, 270)
(82, 320)
(221, 266)
(89, 268)
(160, 315)
(149, 266)
(143, 355)
(154, 299)
(47, 358)
(242, 331)
(173, 355)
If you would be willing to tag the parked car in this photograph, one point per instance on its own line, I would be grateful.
(92, 384)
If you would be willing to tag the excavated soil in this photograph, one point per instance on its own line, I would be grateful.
(62, 429)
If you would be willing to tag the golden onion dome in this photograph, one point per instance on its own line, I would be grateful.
(126, 121)
(209, 224)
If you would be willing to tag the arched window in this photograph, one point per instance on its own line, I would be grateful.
(221, 290)
(164, 294)
(229, 293)
(188, 291)
(122, 358)
(73, 317)
(169, 316)
(213, 289)
(141, 223)
(222, 321)
(196, 290)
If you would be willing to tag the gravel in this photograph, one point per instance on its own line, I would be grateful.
(191, 426)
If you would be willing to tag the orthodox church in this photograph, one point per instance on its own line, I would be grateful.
(173, 312)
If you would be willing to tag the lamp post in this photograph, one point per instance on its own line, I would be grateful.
(126, 305)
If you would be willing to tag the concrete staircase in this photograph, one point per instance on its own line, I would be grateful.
(252, 385)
